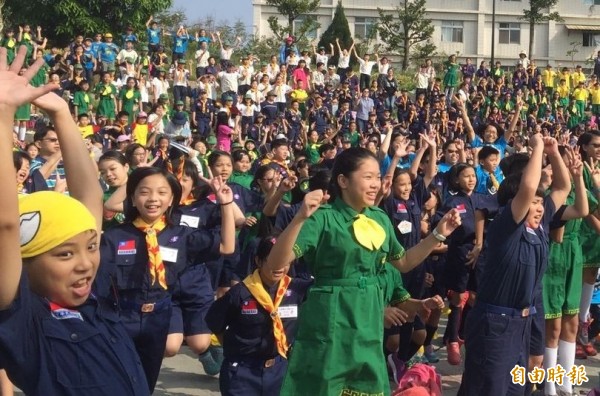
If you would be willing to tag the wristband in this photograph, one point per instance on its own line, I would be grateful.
(437, 235)
(230, 202)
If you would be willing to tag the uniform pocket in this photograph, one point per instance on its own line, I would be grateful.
(72, 351)
(317, 315)
(126, 272)
(496, 325)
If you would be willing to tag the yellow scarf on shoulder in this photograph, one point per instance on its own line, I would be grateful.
(255, 285)
(156, 266)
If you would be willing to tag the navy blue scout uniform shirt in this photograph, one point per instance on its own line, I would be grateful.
(516, 259)
(125, 256)
(247, 327)
(68, 352)
(406, 215)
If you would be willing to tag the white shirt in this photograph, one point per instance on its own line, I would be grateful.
(160, 87)
(248, 111)
(144, 91)
(422, 80)
(344, 61)
(280, 91)
(180, 77)
(202, 58)
(226, 54)
(257, 96)
(247, 78)
(322, 58)
(229, 81)
(366, 67)
(318, 78)
(124, 54)
(159, 128)
(383, 68)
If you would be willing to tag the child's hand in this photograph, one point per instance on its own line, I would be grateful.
(14, 88)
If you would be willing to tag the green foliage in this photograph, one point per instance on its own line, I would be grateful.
(292, 9)
(64, 19)
(338, 29)
(574, 50)
(408, 32)
(537, 13)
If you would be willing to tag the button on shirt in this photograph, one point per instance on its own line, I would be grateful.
(364, 107)
(68, 352)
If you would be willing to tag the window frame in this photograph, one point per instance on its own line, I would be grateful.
(455, 30)
(510, 29)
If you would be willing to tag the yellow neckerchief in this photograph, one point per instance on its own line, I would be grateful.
(86, 98)
(256, 288)
(156, 266)
(188, 201)
(129, 94)
(368, 232)
(107, 90)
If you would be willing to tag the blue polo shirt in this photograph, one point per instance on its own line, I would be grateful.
(500, 144)
(48, 350)
(484, 182)
(517, 257)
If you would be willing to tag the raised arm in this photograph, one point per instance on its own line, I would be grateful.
(561, 182)
(465, 117)
(431, 169)
(385, 145)
(14, 92)
(513, 122)
(581, 206)
(149, 21)
(529, 181)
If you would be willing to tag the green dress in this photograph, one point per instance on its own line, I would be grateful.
(339, 346)
(390, 281)
(131, 100)
(11, 48)
(106, 94)
(451, 76)
(590, 240)
(82, 100)
(23, 112)
(41, 77)
(111, 219)
(244, 179)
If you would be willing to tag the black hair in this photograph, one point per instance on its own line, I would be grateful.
(399, 172)
(113, 155)
(222, 118)
(136, 177)
(264, 247)
(215, 155)
(509, 188)
(190, 170)
(486, 151)
(122, 113)
(453, 175)
(325, 147)
(278, 143)
(346, 164)
(80, 116)
(41, 133)
(483, 127)
(239, 155)
(260, 174)
(514, 164)
(18, 158)
(585, 139)
(131, 149)
(320, 180)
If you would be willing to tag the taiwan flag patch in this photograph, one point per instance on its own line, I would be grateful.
(401, 208)
(126, 247)
(249, 308)
(461, 208)
(61, 313)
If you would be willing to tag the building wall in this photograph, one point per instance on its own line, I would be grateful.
(552, 39)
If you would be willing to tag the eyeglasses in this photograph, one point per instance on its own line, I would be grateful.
(451, 151)
(595, 145)
(51, 140)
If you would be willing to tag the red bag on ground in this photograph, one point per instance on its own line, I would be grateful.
(419, 380)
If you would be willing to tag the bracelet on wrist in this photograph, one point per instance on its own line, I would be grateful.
(228, 203)
(436, 234)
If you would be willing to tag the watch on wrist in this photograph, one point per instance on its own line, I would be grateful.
(438, 236)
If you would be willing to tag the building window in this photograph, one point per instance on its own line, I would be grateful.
(452, 31)
(363, 27)
(509, 33)
(298, 22)
(591, 39)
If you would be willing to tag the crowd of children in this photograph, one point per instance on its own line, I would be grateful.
(299, 226)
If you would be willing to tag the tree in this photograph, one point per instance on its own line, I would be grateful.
(539, 12)
(64, 19)
(408, 32)
(292, 9)
(338, 29)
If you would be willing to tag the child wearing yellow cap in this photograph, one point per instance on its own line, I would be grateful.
(56, 337)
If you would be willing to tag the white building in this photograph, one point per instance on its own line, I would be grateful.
(465, 26)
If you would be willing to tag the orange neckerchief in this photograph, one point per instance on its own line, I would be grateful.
(156, 266)
(256, 288)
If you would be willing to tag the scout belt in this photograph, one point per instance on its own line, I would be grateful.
(145, 307)
(523, 312)
(360, 282)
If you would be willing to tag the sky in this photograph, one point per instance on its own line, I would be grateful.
(220, 10)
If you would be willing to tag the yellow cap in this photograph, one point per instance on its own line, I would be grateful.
(48, 219)
(108, 35)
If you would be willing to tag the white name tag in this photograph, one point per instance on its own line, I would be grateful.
(288, 311)
(168, 254)
(405, 227)
(189, 221)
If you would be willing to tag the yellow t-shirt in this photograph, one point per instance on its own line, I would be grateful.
(581, 94)
(595, 91)
(86, 131)
(577, 77)
(566, 77)
(548, 77)
(140, 134)
(563, 91)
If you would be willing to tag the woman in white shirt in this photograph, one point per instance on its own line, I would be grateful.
(344, 59)
(160, 85)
